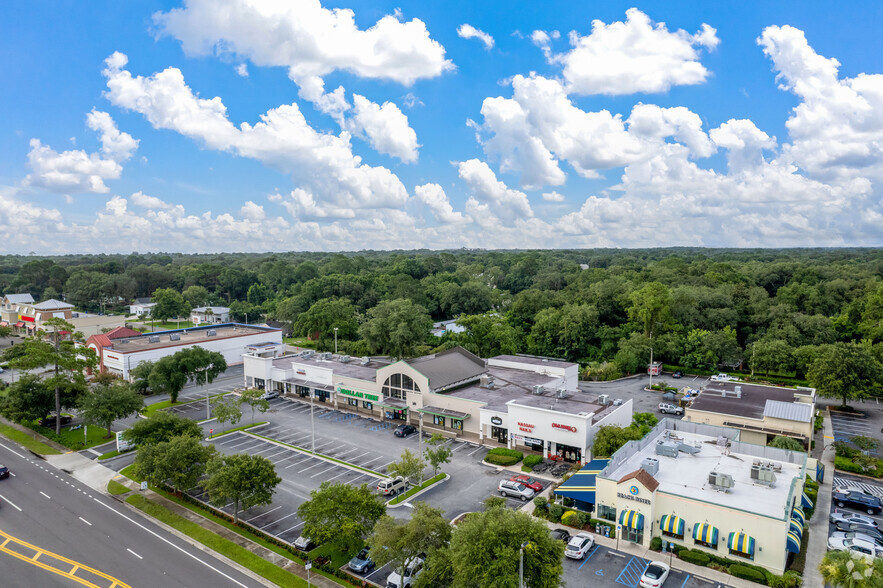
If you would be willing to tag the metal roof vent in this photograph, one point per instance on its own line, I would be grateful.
(153, 339)
(603, 399)
(562, 393)
(738, 390)
(345, 359)
(365, 360)
(124, 340)
(538, 390)
(486, 381)
(175, 337)
(211, 333)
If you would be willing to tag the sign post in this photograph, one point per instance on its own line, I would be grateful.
(308, 565)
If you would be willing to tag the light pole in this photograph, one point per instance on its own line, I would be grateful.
(651, 361)
(521, 565)
(312, 425)
(246, 317)
(335, 340)
(208, 409)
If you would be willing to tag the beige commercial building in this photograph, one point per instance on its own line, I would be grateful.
(518, 401)
(760, 412)
(700, 486)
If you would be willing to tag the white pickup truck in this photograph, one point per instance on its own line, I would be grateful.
(670, 409)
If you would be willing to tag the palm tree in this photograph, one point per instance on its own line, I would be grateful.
(208, 314)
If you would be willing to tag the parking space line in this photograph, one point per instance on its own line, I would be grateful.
(588, 556)
(385, 465)
(462, 445)
(477, 449)
(291, 529)
(370, 461)
(345, 472)
(306, 459)
(262, 514)
(312, 466)
(273, 522)
(685, 580)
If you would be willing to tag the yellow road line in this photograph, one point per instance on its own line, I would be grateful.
(76, 566)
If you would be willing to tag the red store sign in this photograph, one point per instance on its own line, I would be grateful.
(570, 428)
(525, 427)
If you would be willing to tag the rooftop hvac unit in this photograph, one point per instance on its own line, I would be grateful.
(687, 448)
(603, 399)
(211, 333)
(738, 391)
(650, 465)
(175, 337)
(153, 339)
(365, 360)
(124, 340)
(326, 355)
(344, 359)
(721, 482)
(486, 381)
(562, 393)
(308, 353)
(666, 449)
(538, 389)
(763, 475)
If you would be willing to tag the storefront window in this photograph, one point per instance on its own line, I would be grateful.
(706, 544)
(352, 402)
(568, 453)
(673, 535)
(535, 444)
(366, 404)
(634, 535)
(302, 391)
(608, 513)
(398, 415)
(437, 420)
(259, 383)
(457, 424)
(322, 395)
(500, 434)
(742, 555)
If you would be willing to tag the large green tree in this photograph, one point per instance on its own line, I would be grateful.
(27, 399)
(59, 345)
(162, 426)
(226, 410)
(180, 462)
(341, 514)
(437, 453)
(324, 316)
(241, 479)
(410, 466)
(201, 365)
(254, 398)
(487, 335)
(168, 376)
(169, 304)
(485, 551)
(846, 371)
(396, 327)
(610, 438)
(651, 307)
(397, 541)
(105, 403)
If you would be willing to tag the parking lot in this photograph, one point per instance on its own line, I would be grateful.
(633, 389)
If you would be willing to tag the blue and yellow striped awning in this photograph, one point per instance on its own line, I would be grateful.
(631, 519)
(741, 542)
(797, 513)
(796, 527)
(581, 485)
(820, 472)
(672, 524)
(805, 501)
(705, 533)
(795, 536)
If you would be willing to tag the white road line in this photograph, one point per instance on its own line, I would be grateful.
(10, 503)
(461, 446)
(133, 553)
(262, 514)
(323, 472)
(312, 466)
(277, 520)
(370, 461)
(384, 465)
(350, 451)
(44, 494)
(477, 449)
(300, 461)
(85, 521)
(160, 537)
(291, 529)
(13, 451)
(338, 475)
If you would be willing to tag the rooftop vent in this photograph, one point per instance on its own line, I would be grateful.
(538, 390)
(344, 359)
(562, 393)
(691, 449)
(211, 333)
(763, 474)
(486, 381)
(365, 360)
(650, 465)
(603, 399)
(153, 339)
(124, 340)
(175, 337)
(721, 482)
(738, 391)
(666, 449)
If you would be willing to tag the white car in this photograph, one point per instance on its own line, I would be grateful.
(654, 575)
(579, 545)
(840, 542)
(857, 536)
(851, 517)
(413, 569)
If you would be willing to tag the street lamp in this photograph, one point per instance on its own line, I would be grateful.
(312, 424)
(335, 340)
(246, 317)
(521, 564)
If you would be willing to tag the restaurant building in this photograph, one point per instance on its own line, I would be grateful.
(522, 402)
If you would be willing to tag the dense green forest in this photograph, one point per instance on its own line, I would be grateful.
(769, 310)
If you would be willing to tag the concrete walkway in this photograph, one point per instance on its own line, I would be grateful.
(817, 546)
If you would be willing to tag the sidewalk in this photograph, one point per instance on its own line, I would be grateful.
(817, 545)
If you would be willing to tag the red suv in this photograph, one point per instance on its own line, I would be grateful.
(531, 483)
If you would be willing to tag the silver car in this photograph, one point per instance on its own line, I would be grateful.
(516, 489)
(851, 517)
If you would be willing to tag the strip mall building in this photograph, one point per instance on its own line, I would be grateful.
(699, 486)
(522, 402)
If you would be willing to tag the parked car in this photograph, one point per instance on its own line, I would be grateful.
(868, 530)
(654, 575)
(270, 394)
(722, 378)
(850, 517)
(413, 569)
(392, 486)
(4, 471)
(860, 536)
(678, 374)
(560, 535)
(516, 489)
(405, 430)
(304, 544)
(858, 500)
(579, 545)
(839, 542)
(666, 408)
(362, 562)
(531, 483)
(50, 420)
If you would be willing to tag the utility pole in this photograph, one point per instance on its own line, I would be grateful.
(650, 371)
(312, 424)
(521, 564)
(753, 348)
(335, 340)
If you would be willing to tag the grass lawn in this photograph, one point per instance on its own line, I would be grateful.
(338, 558)
(82, 438)
(415, 489)
(167, 403)
(113, 453)
(116, 488)
(27, 441)
(129, 472)
(213, 541)
(240, 428)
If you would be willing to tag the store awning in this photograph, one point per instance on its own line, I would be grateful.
(805, 501)
(741, 542)
(792, 544)
(444, 412)
(672, 524)
(820, 472)
(4, 324)
(705, 533)
(797, 513)
(581, 485)
(392, 403)
(631, 519)
(796, 527)
(19, 324)
(795, 532)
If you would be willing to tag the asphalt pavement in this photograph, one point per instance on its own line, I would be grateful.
(55, 524)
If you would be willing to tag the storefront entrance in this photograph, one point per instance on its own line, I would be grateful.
(500, 434)
(397, 415)
(302, 391)
(568, 453)
(323, 395)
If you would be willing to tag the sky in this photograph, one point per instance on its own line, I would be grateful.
(306, 125)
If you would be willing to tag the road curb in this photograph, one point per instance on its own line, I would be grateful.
(416, 494)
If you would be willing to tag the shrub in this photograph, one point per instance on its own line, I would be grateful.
(694, 557)
(746, 573)
(501, 460)
(555, 512)
(532, 460)
(541, 502)
(508, 452)
(844, 449)
(572, 519)
(568, 501)
(656, 544)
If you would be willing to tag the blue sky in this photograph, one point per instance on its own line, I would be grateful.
(236, 125)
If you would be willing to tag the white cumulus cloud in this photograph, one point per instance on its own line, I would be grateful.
(467, 31)
(491, 195)
(435, 199)
(386, 128)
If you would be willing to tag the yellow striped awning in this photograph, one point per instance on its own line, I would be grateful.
(741, 542)
(705, 533)
(672, 524)
(631, 519)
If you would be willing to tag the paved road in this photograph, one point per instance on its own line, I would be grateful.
(56, 514)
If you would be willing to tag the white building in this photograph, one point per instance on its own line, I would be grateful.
(120, 356)
(518, 401)
(142, 307)
(213, 315)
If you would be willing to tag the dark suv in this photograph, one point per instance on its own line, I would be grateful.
(872, 532)
(858, 500)
(4, 471)
(50, 420)
(405, 430)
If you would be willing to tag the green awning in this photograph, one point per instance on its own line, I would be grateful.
(444, 412)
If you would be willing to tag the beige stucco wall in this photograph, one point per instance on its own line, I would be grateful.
(757, 437)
